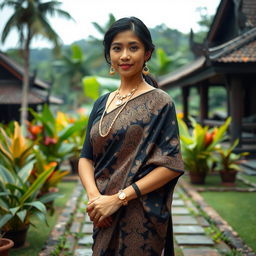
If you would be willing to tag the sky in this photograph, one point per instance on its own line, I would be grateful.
(176, 14)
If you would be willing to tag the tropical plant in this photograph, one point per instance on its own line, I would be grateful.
(102, 29)
(15, 149)
(197, 147)
(18, 197)
(40, 166)
(161, 63)
(226, 160)
(29, 18)
(53, 140)
(71, 68)
(95, 86)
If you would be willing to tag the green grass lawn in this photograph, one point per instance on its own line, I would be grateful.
(37, 236)
(238, 209)
(215, 181)
(249, 178)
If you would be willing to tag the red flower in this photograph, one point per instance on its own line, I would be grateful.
(49, 140)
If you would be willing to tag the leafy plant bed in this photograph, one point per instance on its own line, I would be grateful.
(214, 181)
(238, 209)
(37, 236)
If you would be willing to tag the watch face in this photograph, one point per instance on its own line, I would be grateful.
(122, 196)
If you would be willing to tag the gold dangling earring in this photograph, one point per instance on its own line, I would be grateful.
(112, 71)
(145, 70)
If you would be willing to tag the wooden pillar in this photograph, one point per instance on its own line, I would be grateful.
(236, 101)
(203, 93)
(185, 96)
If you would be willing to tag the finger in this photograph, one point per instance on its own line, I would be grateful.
(93, 200)
(92, 214)
(90, 207)
(96, 217)
(101, 218)
(101, 224)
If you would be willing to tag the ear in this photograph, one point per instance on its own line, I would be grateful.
(147, 55)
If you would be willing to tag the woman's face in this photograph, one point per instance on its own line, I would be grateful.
(127, 54)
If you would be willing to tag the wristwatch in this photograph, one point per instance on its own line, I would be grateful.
(122, 197)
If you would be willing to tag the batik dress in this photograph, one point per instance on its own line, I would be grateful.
(143, 137)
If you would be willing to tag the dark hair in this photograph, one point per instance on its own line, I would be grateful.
(140, 30)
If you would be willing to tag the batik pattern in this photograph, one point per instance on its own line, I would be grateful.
(144, 136)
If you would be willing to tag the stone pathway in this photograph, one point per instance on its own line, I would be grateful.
(76, 227)
(188, 231)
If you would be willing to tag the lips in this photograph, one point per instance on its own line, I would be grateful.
(125, 66)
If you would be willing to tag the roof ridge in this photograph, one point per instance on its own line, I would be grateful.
(227, 47)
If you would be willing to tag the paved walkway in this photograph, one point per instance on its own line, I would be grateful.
(189, 229)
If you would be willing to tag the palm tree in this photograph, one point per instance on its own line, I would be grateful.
(29, 18)
(72, 68)
(102, 29)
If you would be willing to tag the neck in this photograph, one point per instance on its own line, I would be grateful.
(129, 83)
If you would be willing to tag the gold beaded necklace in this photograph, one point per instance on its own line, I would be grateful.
(111, 125)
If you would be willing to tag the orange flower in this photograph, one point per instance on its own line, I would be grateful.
(180, 115)
(71, 120)
(35, 129)
(208, 138)
(51, 164)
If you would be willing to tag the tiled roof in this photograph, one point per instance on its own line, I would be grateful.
(11, 94)
(18, 70)
(240, 49)
(246, 53)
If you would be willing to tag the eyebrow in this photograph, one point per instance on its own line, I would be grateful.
(130, 43)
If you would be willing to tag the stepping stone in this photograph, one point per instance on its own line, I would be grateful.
(86, 240)
(193, 240)
(75, 227)
(87, 228)
(87, 219)
(182, 230)
(178, 202)
(184, 220)
(180, 211)
(83, 252)
(200, 251)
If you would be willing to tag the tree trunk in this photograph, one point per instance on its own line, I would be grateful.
(25, 85)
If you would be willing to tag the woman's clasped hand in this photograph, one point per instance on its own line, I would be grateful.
(101, 208)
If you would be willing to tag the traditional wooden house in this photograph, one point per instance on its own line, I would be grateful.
(227, 58)
(11, 76)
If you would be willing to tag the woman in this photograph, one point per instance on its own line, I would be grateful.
(131, 161)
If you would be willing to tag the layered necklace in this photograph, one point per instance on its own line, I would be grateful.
(118, 103)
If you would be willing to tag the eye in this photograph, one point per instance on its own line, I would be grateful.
(116, 48)
(134, 48)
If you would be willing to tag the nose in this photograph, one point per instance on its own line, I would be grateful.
(125, 55)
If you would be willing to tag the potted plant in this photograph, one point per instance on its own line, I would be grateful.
(18, 196)
(197, 147)
(228, 163)
(5, 245)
